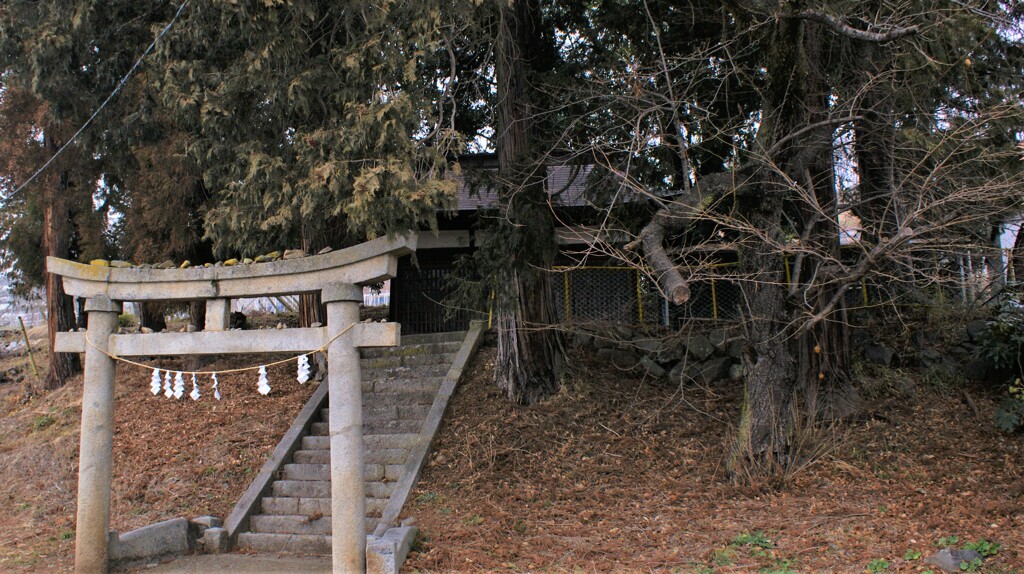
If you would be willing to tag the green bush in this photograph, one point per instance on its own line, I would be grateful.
(1002, 343)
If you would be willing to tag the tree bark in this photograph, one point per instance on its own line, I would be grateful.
(823, 356)
(60, 307)
(151, 316)
(530, 352)
(197, 314)
(530, 355)
(311, 309)
(761, 450)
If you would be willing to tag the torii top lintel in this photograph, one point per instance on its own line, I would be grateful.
(366, 263)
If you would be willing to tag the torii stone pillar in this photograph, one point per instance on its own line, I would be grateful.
(348, 496)
(95, 449)
(336, 274)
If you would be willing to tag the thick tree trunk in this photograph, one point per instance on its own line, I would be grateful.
(823, 356)
(761, 450)
(762, 447)
(311, 310)
(197, 314)
(875, 146)
(823, 371)
(529, 362)
(151, 316)
(875, 142)
(60, 307)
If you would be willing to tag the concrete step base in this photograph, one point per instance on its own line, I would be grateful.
(290, 524)
(375, 426)
(262, 542)
(376, 374)
(396, 410)
(398, 359)
(425, 338)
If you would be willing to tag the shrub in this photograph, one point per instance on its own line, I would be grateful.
(1002, 343)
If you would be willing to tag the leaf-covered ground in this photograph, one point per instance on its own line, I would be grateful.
(615, 474)
(618, 474)
(171, 458)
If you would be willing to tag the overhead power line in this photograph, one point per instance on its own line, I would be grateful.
(117, 89)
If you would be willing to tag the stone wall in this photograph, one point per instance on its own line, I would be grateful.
(706, 358)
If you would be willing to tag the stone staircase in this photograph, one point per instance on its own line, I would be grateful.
(399, 387)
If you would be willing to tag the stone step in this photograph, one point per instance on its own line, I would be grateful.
(395, 411)
(426, 338)
(290, 524)
(262, 542)
(322, 472)
(409, 350)
(399, 385)
(322, 489)
(375, 426)
(400, 360)
(310, 471)
(393, 426)
(311, 506)
(405, 372)
(370, 412)
(372, 441)
(420, 384)
(417, 384)
(399, 399)
(378, 456)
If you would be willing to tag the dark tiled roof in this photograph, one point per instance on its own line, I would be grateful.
(567, 183)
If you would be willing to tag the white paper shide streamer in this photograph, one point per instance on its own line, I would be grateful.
(195, 388)
(179, 386)
(216, 386)
(262, 385)
(154, 382)
(303, 374)
(168, 391)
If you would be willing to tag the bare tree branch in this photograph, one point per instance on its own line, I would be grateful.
(841, 27)
(674, 218)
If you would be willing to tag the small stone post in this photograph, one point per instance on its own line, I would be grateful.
(348, 489)
(96, 447)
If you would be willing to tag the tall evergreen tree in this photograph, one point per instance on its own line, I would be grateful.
(312, 123)
(69, 56)
(530, 352)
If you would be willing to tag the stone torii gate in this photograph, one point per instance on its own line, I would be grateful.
(336, 275)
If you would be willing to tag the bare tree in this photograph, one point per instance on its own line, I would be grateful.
(782, 85)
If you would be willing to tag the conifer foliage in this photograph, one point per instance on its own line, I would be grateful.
(749, 123)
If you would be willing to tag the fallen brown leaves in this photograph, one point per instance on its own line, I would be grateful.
(617, 474)
(171, 458)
